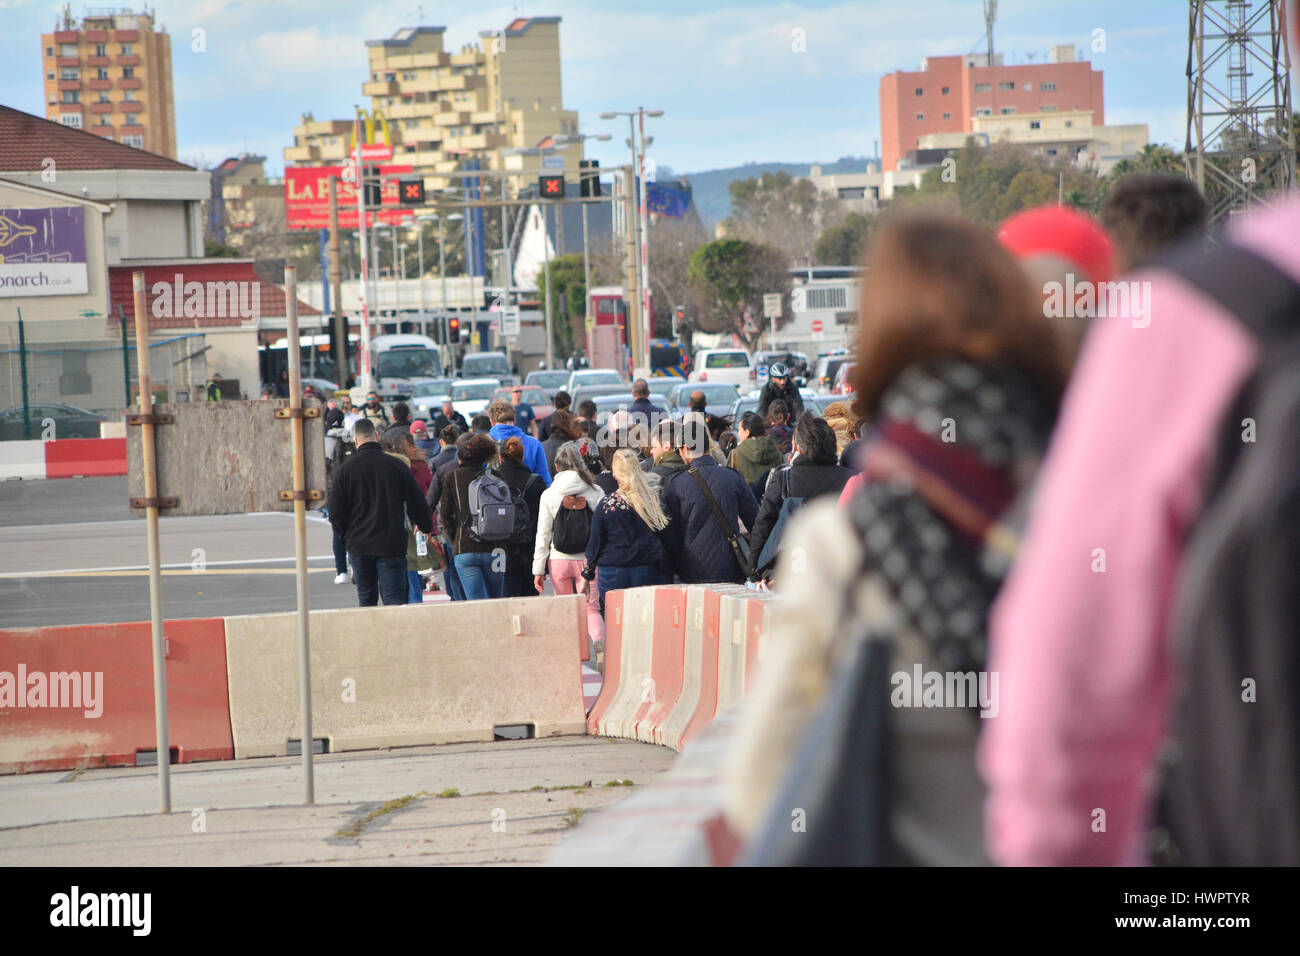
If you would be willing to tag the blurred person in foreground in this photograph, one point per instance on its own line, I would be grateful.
(1085, 633)
(1145, 214)
(960, 377)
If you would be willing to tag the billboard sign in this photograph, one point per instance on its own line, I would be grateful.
(43, 252)
(307, 197)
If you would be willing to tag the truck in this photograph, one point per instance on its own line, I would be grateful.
(607, 339)
(402, 363)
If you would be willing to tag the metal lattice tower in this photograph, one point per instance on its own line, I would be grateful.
(1240, 142)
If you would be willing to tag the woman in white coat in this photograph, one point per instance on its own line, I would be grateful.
(566, 509)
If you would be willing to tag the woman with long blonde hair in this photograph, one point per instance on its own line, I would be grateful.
(624, 550)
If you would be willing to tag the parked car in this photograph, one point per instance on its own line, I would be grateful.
(595, 391)
(427, 401)
(749, 403)
(843, 384)
(718, 397)
(550, 380)
(470, 396)
(67, 421)
(541, 402)
(484, 364)
(662, 385)
(607, 405)
(825, 370)
(729, 366)
(582, 377)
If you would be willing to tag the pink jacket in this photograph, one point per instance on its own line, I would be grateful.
(1083, 654)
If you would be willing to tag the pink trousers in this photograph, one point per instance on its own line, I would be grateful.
(565, 575)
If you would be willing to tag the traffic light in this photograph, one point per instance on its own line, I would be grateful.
(373, 192)
(550, 187)
(411, 192)
(590, 181)
(679, 319)
(453, 330)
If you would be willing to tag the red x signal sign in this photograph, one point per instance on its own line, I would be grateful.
(551, 186)
(412, 192)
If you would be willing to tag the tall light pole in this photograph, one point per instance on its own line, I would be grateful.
(586, 250)
(636, 124)
(364, 360)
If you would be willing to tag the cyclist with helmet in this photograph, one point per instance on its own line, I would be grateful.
(780, 385)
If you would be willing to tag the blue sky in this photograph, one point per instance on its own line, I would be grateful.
(732, 87)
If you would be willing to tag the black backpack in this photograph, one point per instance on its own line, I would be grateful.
(572, 526)
(1231, 788)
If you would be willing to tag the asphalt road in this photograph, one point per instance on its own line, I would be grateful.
(70, 553)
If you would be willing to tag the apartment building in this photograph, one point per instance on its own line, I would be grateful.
(440, 108)
(948, 93)
(111, 74)
(1070, 135)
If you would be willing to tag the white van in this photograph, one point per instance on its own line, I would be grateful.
(731, 366)
(403, 363)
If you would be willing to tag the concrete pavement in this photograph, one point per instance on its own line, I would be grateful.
(461, 804)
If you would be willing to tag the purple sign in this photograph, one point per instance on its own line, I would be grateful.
(43, 251)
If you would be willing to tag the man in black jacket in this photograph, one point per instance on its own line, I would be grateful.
(401, 422)
(449, 416)
(371, 494)
(779, 385)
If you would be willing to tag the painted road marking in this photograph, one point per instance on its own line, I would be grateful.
(64, 572)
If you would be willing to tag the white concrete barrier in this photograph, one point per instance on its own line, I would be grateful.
(22, 459)
(406, 676)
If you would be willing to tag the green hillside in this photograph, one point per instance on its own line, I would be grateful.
(709, 188)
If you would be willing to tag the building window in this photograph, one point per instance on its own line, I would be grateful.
(983, 111)
(1051, 151)
(947, 116)
(101, 73)
(1047, 109)
(128, 73)
(71, 96)
(1035, 124)
(920, 91)
(67, 73)
(101, 49)
(983, 87)
(103, 97)
(135, 140)
(1006, 110)
(128, 96)
(68, 50)
(49, 51)
(1007, 86)
(70, 119)
(944, 91)
(1048, 87)
(1069, 123)
(920, 116)
(126, 49)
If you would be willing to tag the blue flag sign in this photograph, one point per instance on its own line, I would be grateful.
(665, 201)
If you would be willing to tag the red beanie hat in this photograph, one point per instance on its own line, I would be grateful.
(1061, 231)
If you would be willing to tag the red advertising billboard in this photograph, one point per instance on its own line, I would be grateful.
(307, 198)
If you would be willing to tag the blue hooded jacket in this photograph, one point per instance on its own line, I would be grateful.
(534, 454)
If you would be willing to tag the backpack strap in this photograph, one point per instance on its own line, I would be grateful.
(1263, 297)
(742, 559)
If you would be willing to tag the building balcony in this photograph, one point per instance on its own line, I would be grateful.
(98, 61)
(134, 83)
(126, 36)
(452, 119)
(301, 154)
(128, 59)
(132, 129)
(65, 36)
(379, 87)
(69, 85)
(131, 106)
(96, 36)
(100, 84)
(104, 131)
(67, 61)
(70, 108)
(101, 107)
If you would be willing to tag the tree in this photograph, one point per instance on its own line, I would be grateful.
(672, 241)
(780, 211)
(843, 245)
(567, 280)
(729, 277)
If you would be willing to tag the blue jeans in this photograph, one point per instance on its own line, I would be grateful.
(415, 592)
(449, 576)
(616, 579)
(375, 576)
(340, 555)
(477, 576)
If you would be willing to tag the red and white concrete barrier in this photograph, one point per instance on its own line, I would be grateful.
(63, 458)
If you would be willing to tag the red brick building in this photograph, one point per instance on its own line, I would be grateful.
(947, 93)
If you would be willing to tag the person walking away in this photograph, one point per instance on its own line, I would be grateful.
(705, 505)
(587, 418)
(780, 386)
(480, 562)
(524, 414)
(756, 454)
(526, 487)
(813, 471)
(449, 462)
(901, 581)
(566, 512)
(562, 428)
(624, 550)
(778, 425)
(401, 421)
(503, 427)
(563, 401)
(373, 496)
(643, 411)
(420, 435)
(402, 447)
